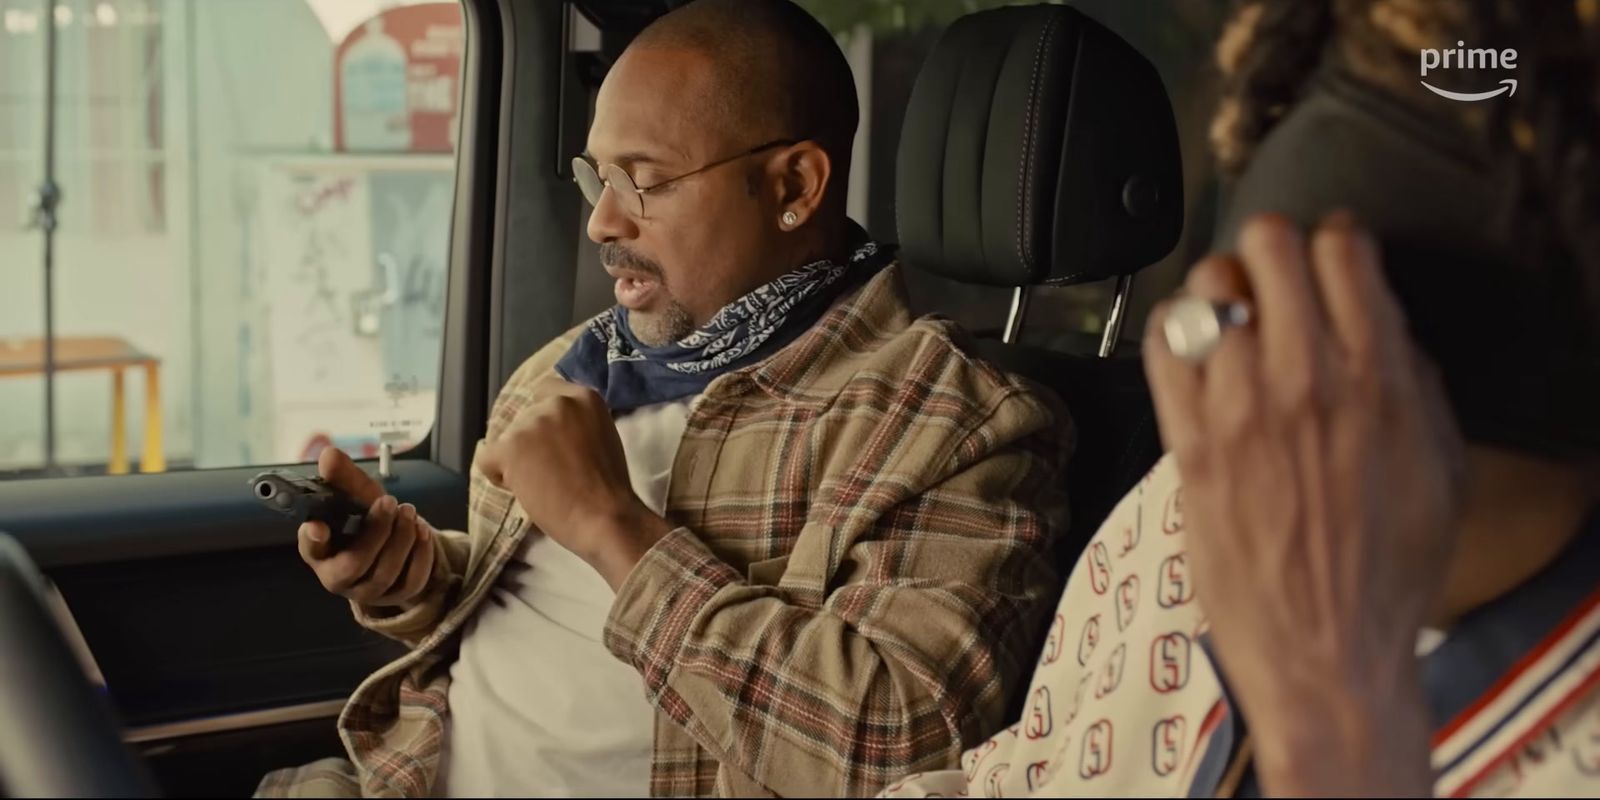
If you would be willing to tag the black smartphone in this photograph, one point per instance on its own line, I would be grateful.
(306, 499)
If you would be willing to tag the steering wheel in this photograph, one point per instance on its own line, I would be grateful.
(58, 736)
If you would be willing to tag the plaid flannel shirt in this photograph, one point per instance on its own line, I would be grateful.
(858, 582)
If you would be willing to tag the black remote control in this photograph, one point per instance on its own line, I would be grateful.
(310, 500)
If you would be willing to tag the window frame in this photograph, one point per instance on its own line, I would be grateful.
(77, 520)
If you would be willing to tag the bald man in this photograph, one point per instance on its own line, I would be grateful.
(754, 530)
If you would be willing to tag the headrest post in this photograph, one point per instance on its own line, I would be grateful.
(1019, 309)
(1119, 310)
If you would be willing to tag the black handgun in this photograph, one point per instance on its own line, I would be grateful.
(310, 500)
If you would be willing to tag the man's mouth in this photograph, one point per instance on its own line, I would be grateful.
(634, 290)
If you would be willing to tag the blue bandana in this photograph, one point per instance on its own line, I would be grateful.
(629, 374)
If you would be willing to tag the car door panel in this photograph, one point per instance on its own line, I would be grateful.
(221, 653)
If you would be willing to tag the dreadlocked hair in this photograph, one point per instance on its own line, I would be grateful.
(1550, 127)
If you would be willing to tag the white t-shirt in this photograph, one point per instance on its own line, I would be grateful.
(538, 706)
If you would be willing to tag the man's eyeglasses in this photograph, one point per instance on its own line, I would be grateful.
(592, 180)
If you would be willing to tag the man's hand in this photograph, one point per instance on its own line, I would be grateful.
(390, 560)
(1322, 480)
(562, 459)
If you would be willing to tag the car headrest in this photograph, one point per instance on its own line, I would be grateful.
(1038, 147)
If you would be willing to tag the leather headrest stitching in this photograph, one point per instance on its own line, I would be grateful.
(1030, 142)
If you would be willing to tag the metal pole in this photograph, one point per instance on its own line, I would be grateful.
(1119, 310)
(46, 201)
(1019, 310)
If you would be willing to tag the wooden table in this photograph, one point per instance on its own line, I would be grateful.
(22, 357)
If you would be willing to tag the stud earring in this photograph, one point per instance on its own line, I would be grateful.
(790, 219)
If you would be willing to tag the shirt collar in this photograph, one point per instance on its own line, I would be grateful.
(1491, 642)
(816, 366)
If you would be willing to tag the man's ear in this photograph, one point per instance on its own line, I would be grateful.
(805, 171)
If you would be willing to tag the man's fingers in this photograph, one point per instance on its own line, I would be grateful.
(335, 467)
(391, 561)
(347, 567)
(314, 542)
(1362, 312)
(1289, 313)
(1175, 387)
(418, 569)
(1231, 372)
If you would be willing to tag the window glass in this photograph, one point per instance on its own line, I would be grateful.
(250, 255)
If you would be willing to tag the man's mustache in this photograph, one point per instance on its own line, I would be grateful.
(615, 255)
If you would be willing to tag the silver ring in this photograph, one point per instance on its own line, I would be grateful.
(1194, 325)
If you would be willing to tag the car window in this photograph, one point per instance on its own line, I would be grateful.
(250, 250)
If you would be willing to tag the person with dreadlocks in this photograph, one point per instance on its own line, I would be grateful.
(1367, 565)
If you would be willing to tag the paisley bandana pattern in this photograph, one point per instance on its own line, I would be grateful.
(629, 374)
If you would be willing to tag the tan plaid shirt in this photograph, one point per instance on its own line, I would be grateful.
(855, 589)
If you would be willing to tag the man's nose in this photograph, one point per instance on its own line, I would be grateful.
(608, 222)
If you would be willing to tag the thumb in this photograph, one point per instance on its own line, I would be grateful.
(313, 541)
(335, 467)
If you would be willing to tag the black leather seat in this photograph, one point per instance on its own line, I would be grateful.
(58, 738)
(1039, 148)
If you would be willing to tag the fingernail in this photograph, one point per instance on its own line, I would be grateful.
(424, 531)
(316, 534)
(410, 511)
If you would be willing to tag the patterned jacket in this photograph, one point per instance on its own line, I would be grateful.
(856, 587)
(1127, 700)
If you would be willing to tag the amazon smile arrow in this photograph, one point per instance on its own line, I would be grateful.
(1508, 88)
